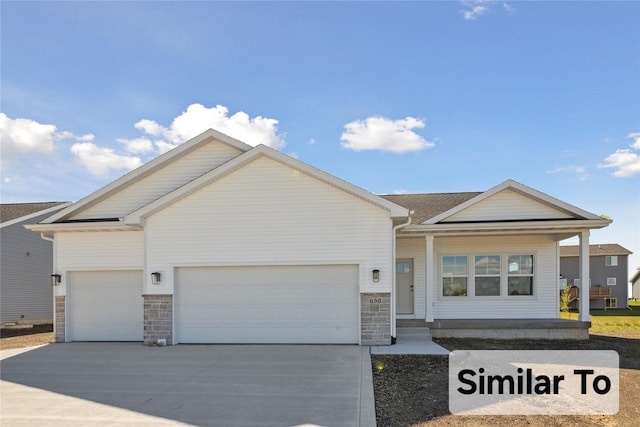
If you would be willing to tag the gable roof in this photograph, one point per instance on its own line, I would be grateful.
(12, 213)
(427, 206)
(595, 250)
(528, 192)
(146, 169)
(135, 218)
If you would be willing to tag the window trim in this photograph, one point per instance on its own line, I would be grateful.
(611, 261)
(613, 279)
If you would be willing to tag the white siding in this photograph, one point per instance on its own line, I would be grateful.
(543, 304)
(269, 214)
(508, 205)
(161, 182)
(98, 251)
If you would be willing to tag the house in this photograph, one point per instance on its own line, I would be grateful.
(217, 241)
(635, 285)
(608, 265)
(26, 261)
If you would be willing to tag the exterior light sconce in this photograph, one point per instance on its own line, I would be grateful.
(155, 278)
(376, 275)
(56, 279)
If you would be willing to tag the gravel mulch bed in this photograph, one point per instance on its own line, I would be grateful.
(413, 390)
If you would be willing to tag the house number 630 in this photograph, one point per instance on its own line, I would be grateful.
(375, 300)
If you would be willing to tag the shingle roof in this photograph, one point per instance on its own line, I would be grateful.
(9, 211)
(427, 206)
(595, 250)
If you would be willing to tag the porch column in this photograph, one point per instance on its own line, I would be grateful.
(429, 281)
(584, 276)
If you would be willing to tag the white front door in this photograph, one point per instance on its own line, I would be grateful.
(404, 286)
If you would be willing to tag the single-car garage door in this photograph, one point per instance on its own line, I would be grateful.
(267, 304)
(105, 306)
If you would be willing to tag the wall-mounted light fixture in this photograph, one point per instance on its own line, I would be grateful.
(376, 275)
(56, 279)
(155, 278)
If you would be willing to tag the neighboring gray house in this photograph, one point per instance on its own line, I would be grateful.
(26, 263)
(635, 285)
(609, 273)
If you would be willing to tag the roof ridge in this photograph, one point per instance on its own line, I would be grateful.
(433, 194)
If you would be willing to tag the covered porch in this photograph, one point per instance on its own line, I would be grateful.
(487, 265)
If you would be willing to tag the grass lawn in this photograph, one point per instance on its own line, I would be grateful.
(612, 320)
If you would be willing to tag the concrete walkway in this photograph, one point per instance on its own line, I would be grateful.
(111, 384)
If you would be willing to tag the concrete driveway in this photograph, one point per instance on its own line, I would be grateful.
(228, 385)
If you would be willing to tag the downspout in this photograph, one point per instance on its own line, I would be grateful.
(43, 237)
(393, 276)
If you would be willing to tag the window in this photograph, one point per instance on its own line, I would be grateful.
(520, 275)
(611, 303)
(611, 281)
(611, 260)
(454, 275)
(403, 267)
(487, 275)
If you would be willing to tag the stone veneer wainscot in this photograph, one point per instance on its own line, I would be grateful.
(375, 319)
(60, 316)
(158, 319)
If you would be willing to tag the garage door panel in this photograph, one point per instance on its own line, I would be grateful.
(106, 306)
(268, 304)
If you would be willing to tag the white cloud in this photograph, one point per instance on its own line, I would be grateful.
(163, 147)
(579, 171)
(137, 146)
(474, 12)
(476, 8)
(636, 140)
(25, 136)
(198, 118)
(98, 160)
(380, 133)
(625, 161)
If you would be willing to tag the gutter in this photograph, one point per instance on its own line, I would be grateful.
(393, 276)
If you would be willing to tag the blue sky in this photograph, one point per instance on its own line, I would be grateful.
(391, 96)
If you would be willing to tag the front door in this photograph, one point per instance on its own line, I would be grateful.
(404, 286)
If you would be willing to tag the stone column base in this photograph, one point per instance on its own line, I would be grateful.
(158, 319)
(375, 319)
(59, 325)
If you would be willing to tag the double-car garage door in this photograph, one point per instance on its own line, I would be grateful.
(248, 304)
(267, 304)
